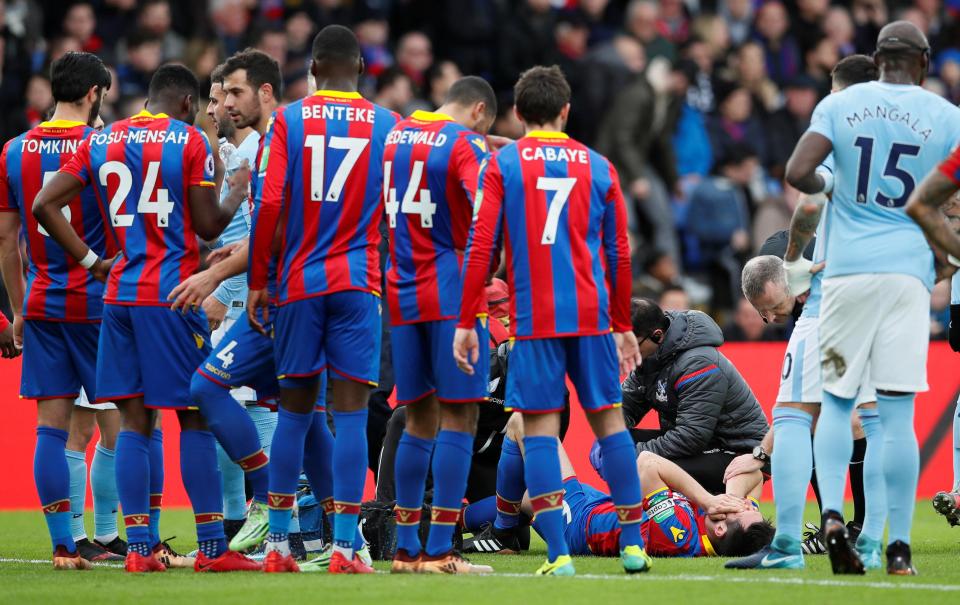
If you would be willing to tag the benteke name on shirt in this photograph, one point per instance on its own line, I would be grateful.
(333, 111)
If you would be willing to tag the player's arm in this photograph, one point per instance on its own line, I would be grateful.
(11, 265)
(619, 276)
(925, 201)
(746, 463)
(209, 217)
(701, 387)
(487, 218)
(656, 472)
(266, 219)
(194, 290)
(809, 153)
(65, 185)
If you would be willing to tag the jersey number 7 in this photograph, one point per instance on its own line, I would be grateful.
(561, 188)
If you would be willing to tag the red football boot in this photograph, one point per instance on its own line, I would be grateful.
(137, 563)
(338, 564)
(277, 563)
(228, 561)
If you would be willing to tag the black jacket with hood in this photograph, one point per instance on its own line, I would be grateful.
(702, 400)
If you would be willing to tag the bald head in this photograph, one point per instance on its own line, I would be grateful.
(903, 53)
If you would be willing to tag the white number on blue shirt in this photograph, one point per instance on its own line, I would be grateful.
(415, 200)
(317, 144)
(561, 188)
(890, 170)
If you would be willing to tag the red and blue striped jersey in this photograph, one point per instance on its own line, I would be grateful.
(430, 173)
(322, 174)
(141, 169)
(950, 167)
(557, 205)
(58, 288)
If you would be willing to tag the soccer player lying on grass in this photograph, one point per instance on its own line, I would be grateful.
(680, 517)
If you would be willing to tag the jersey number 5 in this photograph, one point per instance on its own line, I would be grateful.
(561, 188)
(890, 170)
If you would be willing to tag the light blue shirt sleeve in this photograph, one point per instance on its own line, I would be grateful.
(955, 289)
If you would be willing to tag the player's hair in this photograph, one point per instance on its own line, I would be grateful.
(216, 76)
(261, 69)
(73, 74)
(855, 69)
(647, 316)
(742, 542)
(540, 94)
(472, 89)
(758, 272)
(337, 44)
(173, 81)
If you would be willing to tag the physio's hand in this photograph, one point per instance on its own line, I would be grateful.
(741, 465)
(466, 350)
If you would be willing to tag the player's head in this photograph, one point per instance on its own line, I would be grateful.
(650, 324)
(215, 107)
(252, 85)
(80, 79)
(474, 101)
(336, 58)
(739, 534)
(903, 49)
(175, 91)
(764, 284)
(855, 69)
(542, 97)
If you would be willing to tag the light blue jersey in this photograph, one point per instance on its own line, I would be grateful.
(955, 289)
(232, 293)
(886, 138)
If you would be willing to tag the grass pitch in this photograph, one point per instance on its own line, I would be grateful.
(26, 577)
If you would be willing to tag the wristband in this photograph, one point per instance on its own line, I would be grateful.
(827, 177)
(89, 260)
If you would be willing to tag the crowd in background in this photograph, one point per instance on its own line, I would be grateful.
(698, 103)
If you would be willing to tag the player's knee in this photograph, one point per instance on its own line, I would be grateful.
(515, 427)
(460, 417)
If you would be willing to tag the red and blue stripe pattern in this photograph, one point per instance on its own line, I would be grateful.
(688, 379)
(431, 165)
(562, 217)
(141, 169)
(950, 167)
(57, 287)
(322, 172)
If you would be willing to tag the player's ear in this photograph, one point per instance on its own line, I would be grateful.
(565, 113)
(360, 66)
(720, 529)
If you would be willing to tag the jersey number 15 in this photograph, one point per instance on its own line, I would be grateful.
(891, 169)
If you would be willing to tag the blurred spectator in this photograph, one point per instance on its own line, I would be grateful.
(673, 22)
(721, 222)
(642, 21)
(39, 100)
(300, 32)
(440, 77)
(738, 15)
(80, 22)
(735, 123)
(772, 31)
(868, 17)
(230, 20)
(838, 27)
(202, 56)
(606, 69)
(144, 56)
(414, 56)
(273, 41)
(373, 35)
(527, 38)
(807, 22)
(394, 91)
(507, 124)
(751, 70)
(712, 31)
(948, 68)
(819, 61)
(601, 18)
(747, 325)
(691, 141)
(674, 298)
(659, 273)
(630, 136)
(155, 19)
(785, 127)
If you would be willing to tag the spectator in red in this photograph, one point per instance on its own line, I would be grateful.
(414, 56)
(81, 23)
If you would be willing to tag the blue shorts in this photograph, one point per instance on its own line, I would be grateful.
(244, 358)
(150, 352)
(58, 358)
(590, 518)
(423, 363)
(538, 368)
(339, 332)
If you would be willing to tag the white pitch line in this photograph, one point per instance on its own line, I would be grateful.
(734, 579)
(731, 579)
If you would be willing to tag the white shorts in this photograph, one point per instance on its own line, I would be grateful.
(83, 402)
(243, 395)
(800, 376)
(874, 327)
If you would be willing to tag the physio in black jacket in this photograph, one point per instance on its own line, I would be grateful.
(708, 415)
